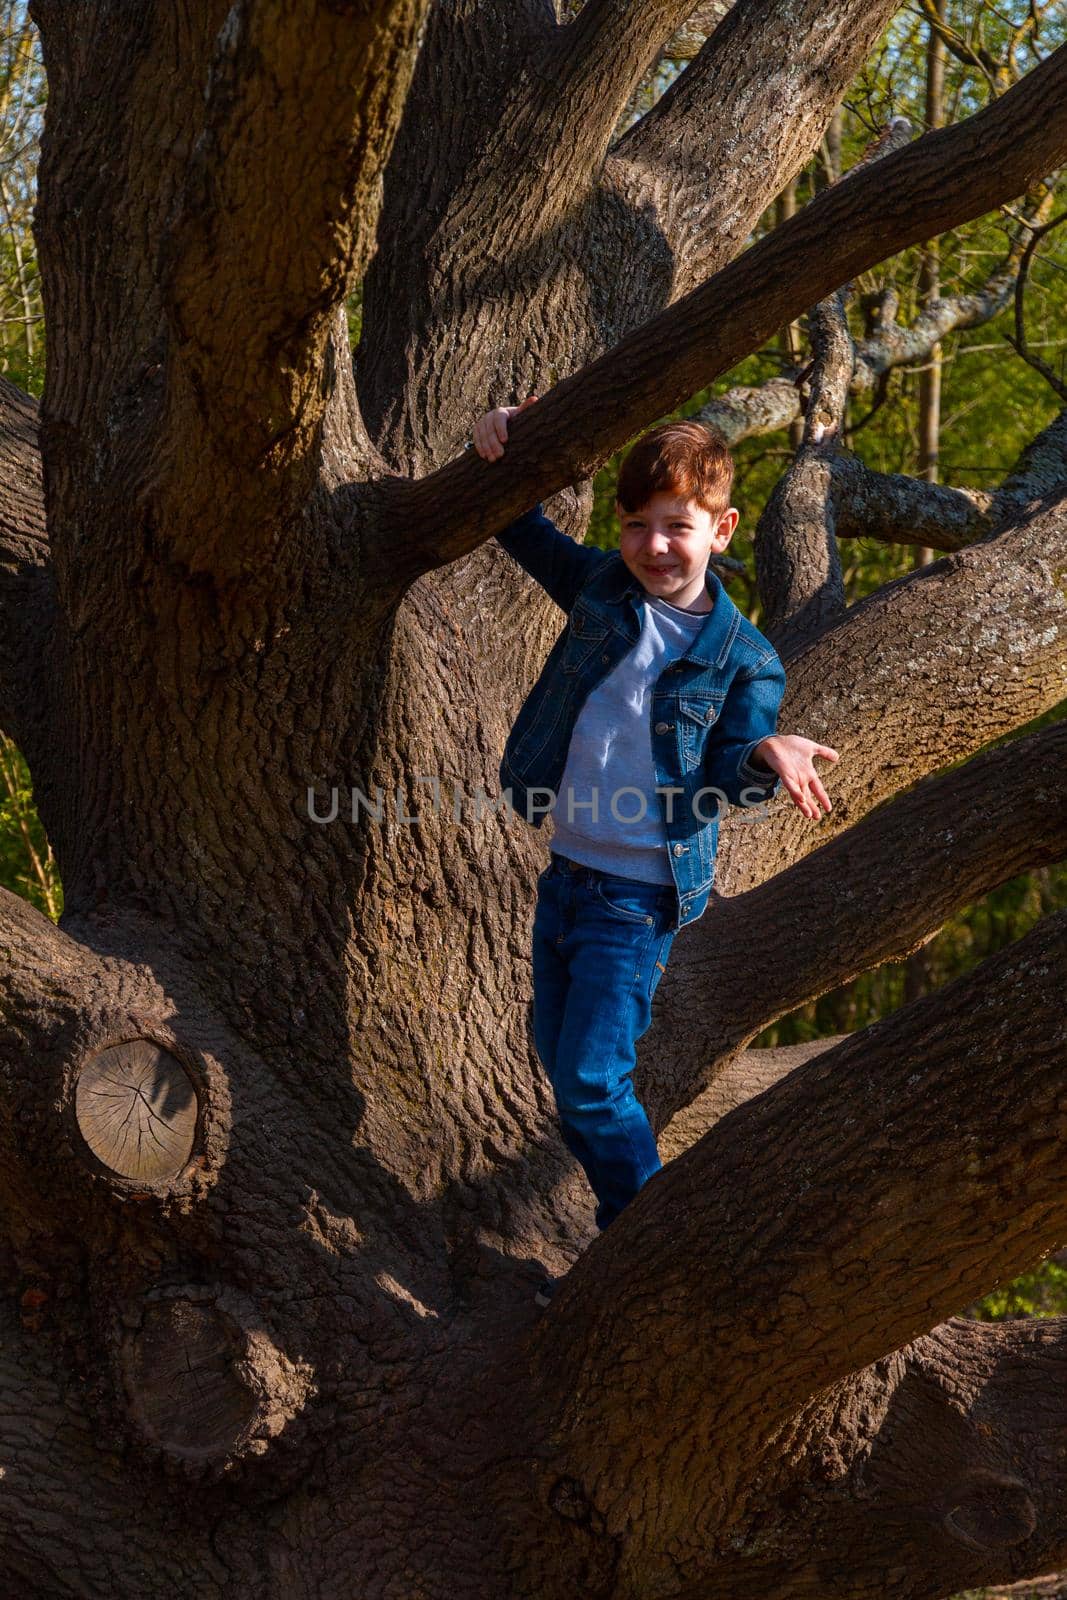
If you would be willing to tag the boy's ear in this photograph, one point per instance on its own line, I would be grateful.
(727, 524)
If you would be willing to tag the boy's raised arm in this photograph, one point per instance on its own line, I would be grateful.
(559, 565)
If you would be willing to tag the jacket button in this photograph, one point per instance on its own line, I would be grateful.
(605, 659)
(648, 919)
(664, 727)
(679, 849)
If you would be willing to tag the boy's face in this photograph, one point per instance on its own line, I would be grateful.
(666, 544)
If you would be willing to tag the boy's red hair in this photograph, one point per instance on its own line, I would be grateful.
(688, 459)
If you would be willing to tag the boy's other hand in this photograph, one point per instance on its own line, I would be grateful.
(491, 430)
(791, 756)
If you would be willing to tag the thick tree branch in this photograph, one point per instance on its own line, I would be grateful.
(749, 1074)
(277, 219)
(507, 217)
(945, 1460)
(898, 509)
(1040, 471)
(798, 563)
(750, 67)
(601, 56)
(804, 1237)
(992, 615)
(27, 601)
(697, 28)
(874, 894)
(116, 1137)
(992, 156)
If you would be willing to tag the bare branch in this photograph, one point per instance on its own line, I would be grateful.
(895, 345)
(796, 546)
(1019, 343)
(866, 504)
(798, 563)
(746, 410)
(998, 73)
(997, 153)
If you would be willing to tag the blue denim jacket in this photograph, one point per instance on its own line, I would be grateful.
(710, 708)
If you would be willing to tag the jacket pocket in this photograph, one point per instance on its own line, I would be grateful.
(696, 714)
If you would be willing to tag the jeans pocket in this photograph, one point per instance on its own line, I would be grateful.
(628, 900)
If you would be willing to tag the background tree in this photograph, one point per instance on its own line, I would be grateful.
(22, 90)
(278, 1155)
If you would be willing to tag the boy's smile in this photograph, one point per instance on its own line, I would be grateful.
(666, 544)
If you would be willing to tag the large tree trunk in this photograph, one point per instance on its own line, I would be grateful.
(279, 1162)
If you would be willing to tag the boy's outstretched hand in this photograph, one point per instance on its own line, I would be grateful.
(790, 755)
(491, 431)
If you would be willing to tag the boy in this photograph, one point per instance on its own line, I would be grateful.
(658, 690)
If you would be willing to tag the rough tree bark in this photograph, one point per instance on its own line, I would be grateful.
(278, 1161)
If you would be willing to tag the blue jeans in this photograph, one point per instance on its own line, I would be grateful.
(600, 947)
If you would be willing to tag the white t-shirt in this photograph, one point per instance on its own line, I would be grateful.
(597, 817)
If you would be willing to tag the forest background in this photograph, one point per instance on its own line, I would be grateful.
(958, 410)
